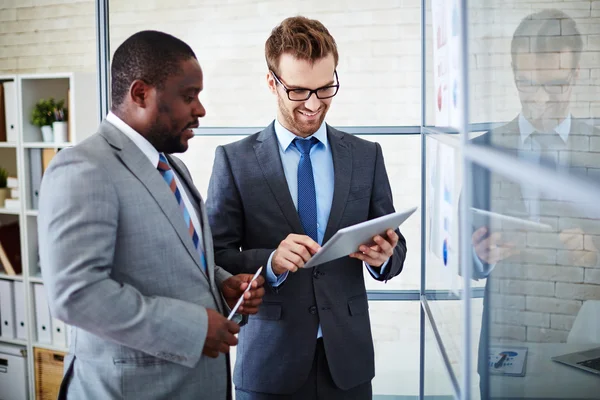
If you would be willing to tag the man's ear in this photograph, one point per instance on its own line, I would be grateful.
(139, 91)
(271, 83)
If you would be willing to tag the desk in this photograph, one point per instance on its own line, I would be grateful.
(547, 379)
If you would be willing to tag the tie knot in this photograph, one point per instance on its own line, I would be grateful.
(304, 145)
(163, 164)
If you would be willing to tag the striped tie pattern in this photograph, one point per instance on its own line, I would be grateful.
(169, 177)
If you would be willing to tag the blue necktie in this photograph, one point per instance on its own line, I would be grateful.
(169, 177)
(307, 197)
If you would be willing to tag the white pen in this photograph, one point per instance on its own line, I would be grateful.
(237, 305)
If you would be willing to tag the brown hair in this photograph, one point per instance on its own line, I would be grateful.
(304, 38)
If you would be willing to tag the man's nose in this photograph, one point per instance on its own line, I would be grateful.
(313, 103)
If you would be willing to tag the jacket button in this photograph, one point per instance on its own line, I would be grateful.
(316, 274)
(312, 310)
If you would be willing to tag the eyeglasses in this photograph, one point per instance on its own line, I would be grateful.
(301, 94)
(553, 87)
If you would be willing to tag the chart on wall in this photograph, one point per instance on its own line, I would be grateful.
(449, 101)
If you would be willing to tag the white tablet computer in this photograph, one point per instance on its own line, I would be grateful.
(348, 240)
(481, 218)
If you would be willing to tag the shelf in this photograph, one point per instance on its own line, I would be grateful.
(49, 346)
(20, 342)
(32, 213)
(11, 277)
(46, 145)
(36, 279)
(8, 145)
(7, 211)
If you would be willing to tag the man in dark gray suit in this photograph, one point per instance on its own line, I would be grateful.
(125, 244)
(273, 199)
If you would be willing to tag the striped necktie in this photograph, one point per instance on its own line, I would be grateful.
(169, 177)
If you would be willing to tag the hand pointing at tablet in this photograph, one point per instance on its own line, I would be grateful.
(292, 253)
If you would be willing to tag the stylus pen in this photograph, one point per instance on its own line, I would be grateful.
(239, 302)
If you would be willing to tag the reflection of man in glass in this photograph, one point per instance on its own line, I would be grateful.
(537, 278)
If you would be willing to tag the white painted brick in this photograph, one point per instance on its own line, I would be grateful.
(511, 332)
(535, 256)
(81, 9)
(530, 288)
(577, 291)
(586, 26)
(6, 4)
(592, 276)
(562, 322)
(577, 258)
(591, 243)
(509, 302)
(544, 335)
(525, 318)
(553, 241)
(9, 14)
(589, 226)
(552, 305)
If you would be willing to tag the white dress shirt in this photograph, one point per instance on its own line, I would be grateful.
(152, 154)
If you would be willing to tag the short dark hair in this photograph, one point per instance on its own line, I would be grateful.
(150, 56)
(543, 29)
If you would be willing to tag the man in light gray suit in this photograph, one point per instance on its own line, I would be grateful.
(125, 245)
(273, 198)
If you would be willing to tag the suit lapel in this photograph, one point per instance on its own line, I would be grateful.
(266, 149)
(138, 164)
(341, 153)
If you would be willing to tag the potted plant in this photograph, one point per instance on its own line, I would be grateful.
(3, 189)
(42, 116)
(59, 125)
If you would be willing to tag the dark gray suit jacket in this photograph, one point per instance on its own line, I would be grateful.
(251, 211)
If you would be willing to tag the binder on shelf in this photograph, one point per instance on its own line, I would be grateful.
(7, 310)
(20, 310)
(35, 171)
(59, 333)
(43, 325)
(47, 155)
(10, 111)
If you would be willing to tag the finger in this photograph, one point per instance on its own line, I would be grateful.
(232, 327)
(393, 237)
(288, 265)
(478, 234)
(301, 251)
(230, 340)
(211, 353)
(385, 246)
(223, 348)
(295, 259)
(307, 242)
(252, 303)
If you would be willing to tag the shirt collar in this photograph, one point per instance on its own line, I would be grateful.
(285, 137)
(526, 128)
(144, 145)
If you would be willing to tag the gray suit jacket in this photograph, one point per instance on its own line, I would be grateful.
(251, 211)
(119, 266)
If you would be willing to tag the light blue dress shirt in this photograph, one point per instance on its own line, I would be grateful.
(322, 163)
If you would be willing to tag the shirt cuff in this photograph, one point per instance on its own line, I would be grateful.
(273, 279)
(381, 269)
(482, 270)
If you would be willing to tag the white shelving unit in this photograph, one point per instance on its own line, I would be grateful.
(79, 90)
